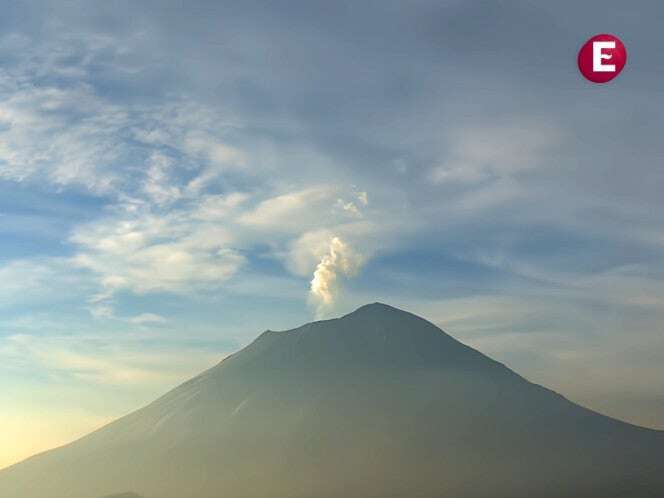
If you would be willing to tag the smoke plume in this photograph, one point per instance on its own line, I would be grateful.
(340, 261)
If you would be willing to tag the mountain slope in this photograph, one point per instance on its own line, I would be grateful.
(378, 403)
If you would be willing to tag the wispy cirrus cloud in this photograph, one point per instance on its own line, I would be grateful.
(489, 152)
(89, 360)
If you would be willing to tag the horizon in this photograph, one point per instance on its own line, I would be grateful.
(175, 179)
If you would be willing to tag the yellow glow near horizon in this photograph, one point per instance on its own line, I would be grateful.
(24, 435)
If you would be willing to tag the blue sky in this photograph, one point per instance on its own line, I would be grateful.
(175, 179)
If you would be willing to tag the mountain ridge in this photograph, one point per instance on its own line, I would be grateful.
(377, 403)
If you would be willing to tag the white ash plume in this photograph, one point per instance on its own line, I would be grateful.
(340, 261)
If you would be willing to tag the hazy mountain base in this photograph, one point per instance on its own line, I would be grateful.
(379, 403)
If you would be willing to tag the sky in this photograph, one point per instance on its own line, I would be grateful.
(177, 177)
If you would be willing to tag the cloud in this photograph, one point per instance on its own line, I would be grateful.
(147, 253)
(482, 152)
(39, 138)
(30, 282)
(356, 205)
(102, 311)
(199, 244)
(147, 318)
(159, 186)
(174, 222)
(93, 360)
(167, 171)
(67, 132)
(217, 153)
(188, 245)
(339, 262)
(296, 211)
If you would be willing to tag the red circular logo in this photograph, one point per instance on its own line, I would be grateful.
(602, 58)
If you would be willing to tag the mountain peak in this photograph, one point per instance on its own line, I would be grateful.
(388, 318)
(377, 305)
(374, 336)
(375, 308)
(316, 410)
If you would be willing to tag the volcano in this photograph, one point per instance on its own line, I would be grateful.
(378, 403)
